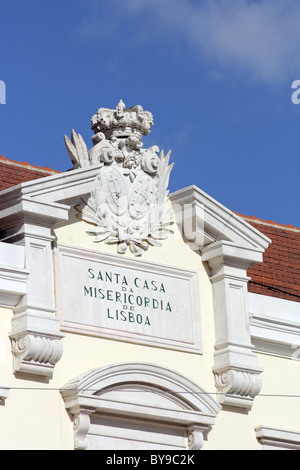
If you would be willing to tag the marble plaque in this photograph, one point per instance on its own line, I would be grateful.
(116, 297)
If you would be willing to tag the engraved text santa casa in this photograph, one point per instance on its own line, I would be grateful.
(133, 300)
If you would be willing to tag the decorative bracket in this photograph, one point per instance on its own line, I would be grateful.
(36, 354)
(196, 437)
(81, 426)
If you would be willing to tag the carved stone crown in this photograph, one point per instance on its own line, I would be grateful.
(128, 201)
(122, 122)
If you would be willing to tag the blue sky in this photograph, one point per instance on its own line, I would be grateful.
(216, 75)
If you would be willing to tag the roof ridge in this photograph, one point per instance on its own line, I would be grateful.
(270, 223)
(28, 165)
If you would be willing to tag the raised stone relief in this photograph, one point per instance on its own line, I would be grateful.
(128, 204)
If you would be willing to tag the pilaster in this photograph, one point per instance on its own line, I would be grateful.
(229, 246)
(236, 370)
(35, 333)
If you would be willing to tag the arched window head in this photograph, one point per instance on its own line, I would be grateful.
(137, 405)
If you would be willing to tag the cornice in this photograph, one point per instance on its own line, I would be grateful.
(219, 223)
(277, 439)
(64, 188)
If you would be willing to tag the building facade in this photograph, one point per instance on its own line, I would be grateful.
(132, 318)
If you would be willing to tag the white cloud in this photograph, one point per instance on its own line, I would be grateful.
(256, 37)
(260, 38)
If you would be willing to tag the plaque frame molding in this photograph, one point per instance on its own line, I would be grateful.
(148, 267)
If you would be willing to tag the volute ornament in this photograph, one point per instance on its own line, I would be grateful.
(128, 204)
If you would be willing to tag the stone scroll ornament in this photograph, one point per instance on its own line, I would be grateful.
(128, 204)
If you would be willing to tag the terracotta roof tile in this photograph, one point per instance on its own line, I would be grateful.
(13, 173)
(279, 274)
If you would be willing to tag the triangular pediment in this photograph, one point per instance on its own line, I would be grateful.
(124, 190)
(202, 219)
(205, 220)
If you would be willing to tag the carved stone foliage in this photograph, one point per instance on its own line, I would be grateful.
(128, 204)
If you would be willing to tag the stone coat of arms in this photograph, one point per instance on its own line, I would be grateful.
(128, 204)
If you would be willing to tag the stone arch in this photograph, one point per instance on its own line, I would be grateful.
(135, 405)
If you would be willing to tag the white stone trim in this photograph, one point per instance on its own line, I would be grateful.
(204, 222)
(13, 275)
(237, 374)
(35, 334)
(175, 341)
(277, 439)
(229, 246)
(3, 394)
(13, 284)
(214, 220)
(121, 392)
(191, 204)
(65, 187)
(275, 325)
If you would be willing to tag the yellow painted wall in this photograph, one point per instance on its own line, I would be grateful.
(174, 252)
(34, 416)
